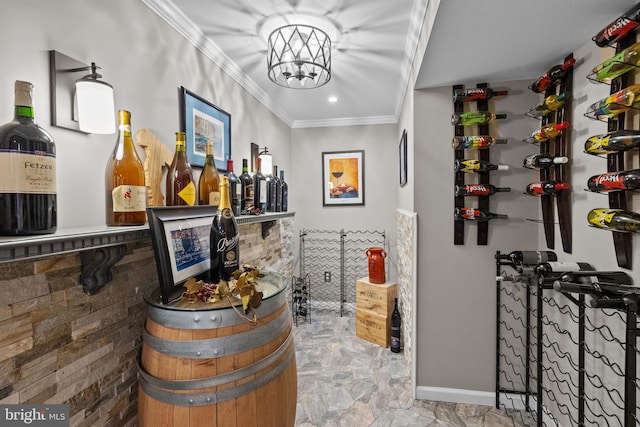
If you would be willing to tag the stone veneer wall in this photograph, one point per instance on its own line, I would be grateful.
(59, 345)
(406, 223)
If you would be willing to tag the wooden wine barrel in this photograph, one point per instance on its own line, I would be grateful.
(206, 366)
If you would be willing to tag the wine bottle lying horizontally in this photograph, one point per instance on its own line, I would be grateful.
(614, 220)
(613, 142)
(547, 132)
(546, 187)
(476, 94)
(471, 214)
(619, 64)
(529, 257)
(476, 166)
(611, 181)
(479, 190)
(554, 74)
(475, 118)
(620, 27)
(475, 142)
(542, 161)
(616, 103)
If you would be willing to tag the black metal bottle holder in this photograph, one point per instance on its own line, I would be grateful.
(579, 375)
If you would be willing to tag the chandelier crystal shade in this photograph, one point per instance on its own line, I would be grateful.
(299, 57)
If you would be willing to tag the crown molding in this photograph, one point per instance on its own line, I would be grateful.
(346, 121)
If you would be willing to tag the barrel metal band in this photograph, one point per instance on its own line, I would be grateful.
(208, 319)
(216, 380)
(223, 346)
(215, 397)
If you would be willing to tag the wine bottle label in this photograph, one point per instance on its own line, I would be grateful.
(214, 198)
(27, 172)
(610, 181)
(129, 198)
(263, 191)
(188, 194)
(601, 217)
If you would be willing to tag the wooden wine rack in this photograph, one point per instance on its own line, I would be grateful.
(560, 146)
(483, 177)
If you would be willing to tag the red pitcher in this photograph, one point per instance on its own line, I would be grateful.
(376, 265)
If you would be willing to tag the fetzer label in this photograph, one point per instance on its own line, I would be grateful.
(30, 173)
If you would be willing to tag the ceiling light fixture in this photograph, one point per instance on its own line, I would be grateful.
(299, 57)
(299, 48)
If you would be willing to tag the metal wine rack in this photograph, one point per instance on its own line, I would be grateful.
(331, 261)
(562, 360)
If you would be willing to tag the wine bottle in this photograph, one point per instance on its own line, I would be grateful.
(543, 161)
(276, 191)
(550, 268)
(598, 283)
(619, 28)
(475, 142)
(209, 183)
(284, 192)
(479, 190)
(475, 118)
(550, 103)
(259, 188)
(614, 142)
(618, 64)
(396, 323)
(476, 94)
(548, 131)
(28, 197)
(246, 190)
(530, 257)
(180, 186)
(125, 190)
(554, 74)
(614, 220)
(623, 180)
(234, 188)
(472, 214)
(225, 239)
(546, 187)
(616, 103)
(271, 197)
(477, 166)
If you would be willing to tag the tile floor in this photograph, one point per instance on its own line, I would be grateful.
(346, 381)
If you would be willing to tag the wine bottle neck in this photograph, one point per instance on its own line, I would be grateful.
(225, 202)
(24, 111)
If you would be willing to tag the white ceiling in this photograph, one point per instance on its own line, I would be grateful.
(471, 41)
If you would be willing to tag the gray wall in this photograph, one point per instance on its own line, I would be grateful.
(456, 284)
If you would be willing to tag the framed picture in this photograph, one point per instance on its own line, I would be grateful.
(402, 157)
(180, 237)
(203, 122)
(343, 178)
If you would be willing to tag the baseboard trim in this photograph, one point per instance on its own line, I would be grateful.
(456, 395)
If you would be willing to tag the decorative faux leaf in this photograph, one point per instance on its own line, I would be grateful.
(223, 288)
(245, 302)
(255, 301)
(192, 285)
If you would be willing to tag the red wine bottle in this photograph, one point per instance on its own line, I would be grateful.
(234, 188)
(546, 187)
(479, 190)
(542, 161)
(614, 220)
(554, 74)
(623, 180)
(476, 94)
(476, 166)
(246, 189)
(614, 142)
(471, 214)
(284, 191)
(619, 28)
(396, 323)
(475, 142)
(259, 188)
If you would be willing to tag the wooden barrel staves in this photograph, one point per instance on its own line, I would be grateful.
(207, 366)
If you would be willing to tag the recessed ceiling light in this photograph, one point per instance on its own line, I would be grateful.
(333, 99)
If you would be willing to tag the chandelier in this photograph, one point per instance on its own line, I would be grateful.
(299, 57)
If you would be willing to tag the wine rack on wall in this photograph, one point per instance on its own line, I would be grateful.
(461, 178)
(616, 162)
(330, 263)
(565, 357)
(558, 146)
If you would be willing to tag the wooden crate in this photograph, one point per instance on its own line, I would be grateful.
(373, 328)
(378, 299)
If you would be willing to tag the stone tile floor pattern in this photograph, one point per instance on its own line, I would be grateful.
(344, 380)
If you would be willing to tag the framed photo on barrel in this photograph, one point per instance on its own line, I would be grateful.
(180, 237)
(203, 122)
(343, 178)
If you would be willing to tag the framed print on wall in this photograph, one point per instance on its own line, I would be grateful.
(402, 156)
(343, 178)
(203, 122)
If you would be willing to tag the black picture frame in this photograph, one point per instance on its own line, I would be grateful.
(202, 121)
(347, 188)
(180, 238)
(402, 158)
